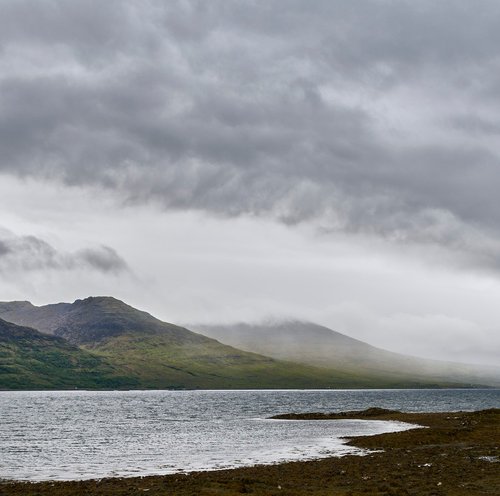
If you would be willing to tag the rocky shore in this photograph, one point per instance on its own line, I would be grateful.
(454, 453)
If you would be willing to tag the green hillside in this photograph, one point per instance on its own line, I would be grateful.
(32, 360)
(207, 364)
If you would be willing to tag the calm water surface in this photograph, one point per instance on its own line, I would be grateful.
(89, 434)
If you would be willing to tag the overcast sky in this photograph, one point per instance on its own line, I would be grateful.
(335, 161)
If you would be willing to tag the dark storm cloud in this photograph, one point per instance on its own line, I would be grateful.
(373, 116)
(29, 253)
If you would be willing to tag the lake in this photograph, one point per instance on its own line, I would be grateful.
(65, 435)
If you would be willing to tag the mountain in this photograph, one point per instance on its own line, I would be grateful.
(94, 321)
(131, 348)
(312, 344)
(32, 360)
(155, 354)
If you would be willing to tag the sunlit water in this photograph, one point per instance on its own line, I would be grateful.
(84, 434)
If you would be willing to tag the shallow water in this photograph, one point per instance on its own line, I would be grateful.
(88, 434)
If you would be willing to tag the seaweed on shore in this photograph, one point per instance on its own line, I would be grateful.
(369, 412)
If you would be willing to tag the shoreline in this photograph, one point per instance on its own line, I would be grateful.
(457, 453)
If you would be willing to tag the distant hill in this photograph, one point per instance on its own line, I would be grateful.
(312, 344)
(24, 313)
(155, 354)
(32, 360)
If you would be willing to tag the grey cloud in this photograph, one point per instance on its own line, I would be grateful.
(252, 108)
(4, 248)
(103, 259)
(476, 125)
(30, 253)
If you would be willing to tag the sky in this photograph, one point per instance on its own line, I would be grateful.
(226, 161)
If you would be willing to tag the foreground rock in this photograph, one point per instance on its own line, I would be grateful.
(457, 454)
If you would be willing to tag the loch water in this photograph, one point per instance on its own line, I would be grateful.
(67, 435)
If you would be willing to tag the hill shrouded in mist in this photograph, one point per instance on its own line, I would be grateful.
(127, 347)
(312, 344)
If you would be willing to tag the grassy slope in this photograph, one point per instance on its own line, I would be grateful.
(208, 364)
(319, 346)
(31, 360)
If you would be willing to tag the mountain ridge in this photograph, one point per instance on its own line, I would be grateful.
(110, 317)
(157, 354)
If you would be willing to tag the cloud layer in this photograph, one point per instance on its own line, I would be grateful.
(379, 119)
(30, 253)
